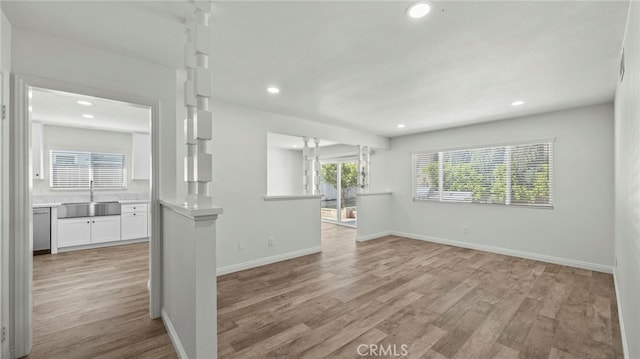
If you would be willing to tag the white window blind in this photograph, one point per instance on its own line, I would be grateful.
(72, 169)
(510, 175)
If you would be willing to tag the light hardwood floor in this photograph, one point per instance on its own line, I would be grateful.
(441, 301)
(94, 304)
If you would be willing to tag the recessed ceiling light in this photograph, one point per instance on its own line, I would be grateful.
(517, 103)
(273, 90)
(86, 115)
(30, 108)
(402, 125)
(418, 10)
(30, 93)
(84, 103)
(295, 146)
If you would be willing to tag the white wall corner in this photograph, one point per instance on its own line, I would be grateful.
(373, 236)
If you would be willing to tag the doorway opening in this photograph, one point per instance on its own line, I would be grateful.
(74, 155)
(339, 186)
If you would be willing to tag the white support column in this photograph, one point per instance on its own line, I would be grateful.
(360, 170)
(316, 167)
(440, 175)
(198, 124)
(507, 159)
(189, 290)
(305, 167)
(367, 168)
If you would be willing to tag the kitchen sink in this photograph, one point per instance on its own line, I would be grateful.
(88, 209)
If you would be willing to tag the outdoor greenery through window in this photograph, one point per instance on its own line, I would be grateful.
(72, 169)
(511, 175)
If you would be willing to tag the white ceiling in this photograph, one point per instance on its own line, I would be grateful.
(363, 64)
(366, 65)
(62, 109)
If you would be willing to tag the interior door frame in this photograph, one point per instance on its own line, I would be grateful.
(20, 195)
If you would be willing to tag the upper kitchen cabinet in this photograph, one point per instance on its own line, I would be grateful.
(141, 154)
(36, 150)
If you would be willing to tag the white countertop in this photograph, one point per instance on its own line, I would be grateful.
(44, 205)
(57, 199)
(56, 204)
(133, 201)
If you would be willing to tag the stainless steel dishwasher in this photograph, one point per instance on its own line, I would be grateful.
(41, 231)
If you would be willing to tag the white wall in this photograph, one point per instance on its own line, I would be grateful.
(178, 284)
(79, 139)
(374, 215)
(340, 150)
(60, 60)
(627, 188)
(240, 183)
(284, 171)
(578, 230)
(5, 62)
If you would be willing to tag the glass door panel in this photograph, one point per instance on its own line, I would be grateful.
(329, 191)
(348, 191)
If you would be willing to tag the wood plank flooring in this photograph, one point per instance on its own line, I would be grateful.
(94, 304)
(439, 301)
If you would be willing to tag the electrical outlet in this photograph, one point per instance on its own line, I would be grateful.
(270, 241)
(465, 230)
(240, 245)
(3, 337)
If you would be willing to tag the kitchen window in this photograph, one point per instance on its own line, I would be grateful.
(520, 174)
(75, 170)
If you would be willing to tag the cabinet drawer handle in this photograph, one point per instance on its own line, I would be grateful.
(94, 221)
(87, 221)
(134, 214)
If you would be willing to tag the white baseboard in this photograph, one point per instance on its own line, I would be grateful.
(268, 260)
(102, 245)
(372, 236)
(625, 346)
(510, 252)
(173, 335)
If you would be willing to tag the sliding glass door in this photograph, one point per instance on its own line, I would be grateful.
(339, 185)
(329, 191)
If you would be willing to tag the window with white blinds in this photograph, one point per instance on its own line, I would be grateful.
(510, 175)
(72, 169)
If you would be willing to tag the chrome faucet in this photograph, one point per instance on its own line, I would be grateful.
(91, 191)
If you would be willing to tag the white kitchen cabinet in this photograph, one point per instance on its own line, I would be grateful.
(88, 230)
(134, 225)
(105, 229)
(74, 231)
(135, 221)
(141, 153)
(36, 150)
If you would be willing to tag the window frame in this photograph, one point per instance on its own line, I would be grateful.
(551, 141)
(91, 170)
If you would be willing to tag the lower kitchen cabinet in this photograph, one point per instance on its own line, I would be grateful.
(134, 221)
(134, 225)
(74, 231)
(88, 230)
(105, 229)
